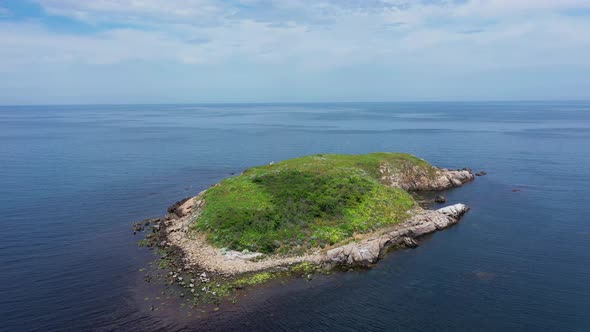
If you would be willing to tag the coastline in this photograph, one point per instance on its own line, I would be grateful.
(364, 250)
(211, 273)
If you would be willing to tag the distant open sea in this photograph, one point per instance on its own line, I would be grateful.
(74, 178)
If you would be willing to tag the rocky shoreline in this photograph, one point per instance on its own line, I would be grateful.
(189, 252)
(370, 250)
(172, 231)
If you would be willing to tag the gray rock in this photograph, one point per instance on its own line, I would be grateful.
(409, 242)
(369, 251)
(411, 177)
(456, 182)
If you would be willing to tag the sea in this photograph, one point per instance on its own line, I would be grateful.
(74, 178)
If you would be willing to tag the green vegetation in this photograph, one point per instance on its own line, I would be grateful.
(306, 202)
(252, 280)
(216, 290)
(304, 268)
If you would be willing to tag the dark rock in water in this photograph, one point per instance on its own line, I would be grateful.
(138, 226)
(181, 208)
(440, 199)
(482, 173)
(172, 208)
(515, 190)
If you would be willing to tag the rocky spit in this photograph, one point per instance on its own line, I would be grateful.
(370, 250)
(174, 234)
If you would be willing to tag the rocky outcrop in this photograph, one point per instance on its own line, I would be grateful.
(187, 207)
(416, 178)
(172, 208)
(369, 251)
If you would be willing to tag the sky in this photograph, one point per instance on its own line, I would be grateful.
(205, 51)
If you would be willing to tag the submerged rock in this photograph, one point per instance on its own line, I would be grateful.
(440, 199)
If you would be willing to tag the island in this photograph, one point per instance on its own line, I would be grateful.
(298, 217)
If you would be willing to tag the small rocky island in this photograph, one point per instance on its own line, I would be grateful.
(300, 216)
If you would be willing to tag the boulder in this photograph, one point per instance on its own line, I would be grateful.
(186, 208)
(183, 207)
(172, 208)
(245, 256)
(409, 242)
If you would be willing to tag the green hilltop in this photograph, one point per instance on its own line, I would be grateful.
(301, 203)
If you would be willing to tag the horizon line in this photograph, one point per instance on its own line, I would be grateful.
(302, 102)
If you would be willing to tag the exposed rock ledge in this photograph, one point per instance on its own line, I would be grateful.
(198, 253)
(370, 250)
(415, 179)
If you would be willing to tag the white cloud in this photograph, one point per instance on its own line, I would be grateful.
(134, 10)
(307, 36)
(495, 8)
(393, 35)
(208, 11)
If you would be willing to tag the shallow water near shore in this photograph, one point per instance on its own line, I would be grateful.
(74, 178)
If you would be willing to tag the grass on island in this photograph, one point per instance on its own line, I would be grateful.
(305, 202)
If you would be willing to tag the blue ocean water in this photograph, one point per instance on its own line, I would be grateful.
(73, 178)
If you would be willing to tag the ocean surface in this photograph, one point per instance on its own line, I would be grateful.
(74, 178)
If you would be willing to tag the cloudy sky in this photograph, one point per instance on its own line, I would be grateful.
(165, 51)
